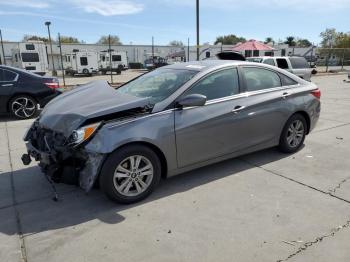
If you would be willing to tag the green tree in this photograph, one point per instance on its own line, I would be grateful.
(114, 40)
(69, 40)
(290, 40)
(176, 43)
(35, 38)
(328, 37)
(303, 43)
(269, 40)
(229, 39)
(342, 40)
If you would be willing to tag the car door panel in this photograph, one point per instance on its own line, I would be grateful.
(6, 91)
(206, 132)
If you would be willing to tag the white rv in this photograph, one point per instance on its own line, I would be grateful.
(31, 56)
(81, 62)
(119, 61)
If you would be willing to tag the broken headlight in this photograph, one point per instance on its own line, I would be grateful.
(84, 133)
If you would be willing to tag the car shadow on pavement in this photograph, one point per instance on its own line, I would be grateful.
(39, 213)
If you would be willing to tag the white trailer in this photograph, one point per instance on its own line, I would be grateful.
(118, 62)
(81, 62)
(31, 56)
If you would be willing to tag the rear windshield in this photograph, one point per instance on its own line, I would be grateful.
(299, 62)
(158, 84)
(30, 57)
(254, 59)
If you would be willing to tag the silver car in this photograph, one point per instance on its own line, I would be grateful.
(294, 64)
(171, 120)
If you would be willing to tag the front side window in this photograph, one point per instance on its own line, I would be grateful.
(298, 62)
(83, 61)
(269, 62)
(30, 57)
(260, 79)
(158, 84)
(217, 85)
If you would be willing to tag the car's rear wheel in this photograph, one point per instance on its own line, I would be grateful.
(130, 174)
(85, 71)
(23, 107)
(293, 134)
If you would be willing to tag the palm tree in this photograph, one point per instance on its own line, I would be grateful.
(290, 40)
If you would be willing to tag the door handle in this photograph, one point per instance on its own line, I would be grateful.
(237, 109)
(285, 95)
(7, 85)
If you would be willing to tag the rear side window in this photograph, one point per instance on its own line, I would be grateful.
(287, 81)
(217, 85)
(83, 61)
(6, 75)
(299, 62)
(260, 78)
(282, 63)
(269, 62)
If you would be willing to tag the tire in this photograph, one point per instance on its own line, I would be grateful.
(86, 71)
(293, 134)
(23, 107)
(125, 186)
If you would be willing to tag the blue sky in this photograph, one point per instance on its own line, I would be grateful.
(136, 21)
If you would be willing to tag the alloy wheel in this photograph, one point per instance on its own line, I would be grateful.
(133, 175)
(295, 133)
(23, 107)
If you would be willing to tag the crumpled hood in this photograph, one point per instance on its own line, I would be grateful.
(70, 110)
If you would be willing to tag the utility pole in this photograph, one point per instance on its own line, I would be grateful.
(110, 57)
(54, 73)
(60, 45)
(197, 25)
(188, 49)
(153, 51)
(2, 47)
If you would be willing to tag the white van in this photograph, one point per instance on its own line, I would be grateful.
(31, 56)
(295, 64)
(119, 61)
(81, 62)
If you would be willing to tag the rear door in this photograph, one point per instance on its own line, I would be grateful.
(8, 83)
(264, 111)
(300, 67)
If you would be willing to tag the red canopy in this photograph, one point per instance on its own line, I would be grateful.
(252, 45)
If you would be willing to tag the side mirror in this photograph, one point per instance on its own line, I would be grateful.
(192, 100)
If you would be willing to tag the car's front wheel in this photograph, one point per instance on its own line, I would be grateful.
(130, 174)
(23, 107)
(293, 134)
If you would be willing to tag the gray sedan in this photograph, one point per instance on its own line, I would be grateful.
(169, 121)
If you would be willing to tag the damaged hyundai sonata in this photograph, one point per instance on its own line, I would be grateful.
(169, 121)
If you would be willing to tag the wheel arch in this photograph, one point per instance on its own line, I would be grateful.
(307, 119)
(156, 149)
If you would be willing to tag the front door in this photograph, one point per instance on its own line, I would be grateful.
(7, 86)
(209, 131)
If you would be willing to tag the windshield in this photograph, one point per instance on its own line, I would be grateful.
(158, 84)
(254, 59)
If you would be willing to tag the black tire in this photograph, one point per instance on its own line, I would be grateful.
(86, 72)
(28, 110)
(107, 182)
(287, 143)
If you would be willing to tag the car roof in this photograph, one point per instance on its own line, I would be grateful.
(205, 64)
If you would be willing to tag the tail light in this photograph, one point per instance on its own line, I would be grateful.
(53, 85)
(316, 93)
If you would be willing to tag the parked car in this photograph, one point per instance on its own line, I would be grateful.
(294, 64)
(169, 121)
(22, 93)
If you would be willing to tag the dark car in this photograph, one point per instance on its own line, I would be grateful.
(22, 93)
